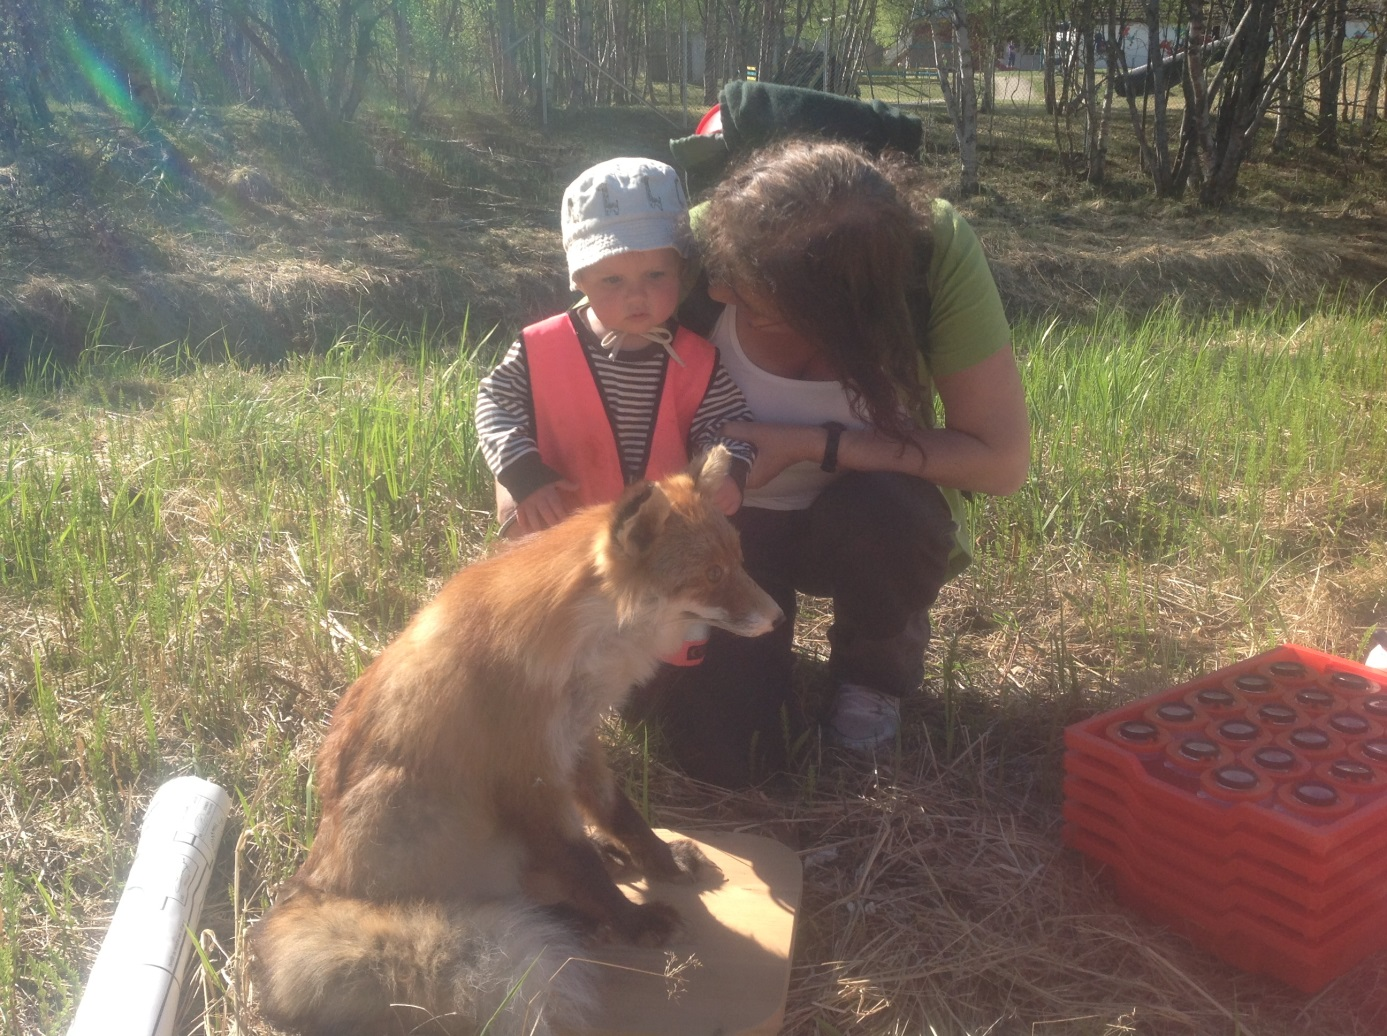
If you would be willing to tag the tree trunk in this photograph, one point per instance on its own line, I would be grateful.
(1049, 58)
(1153, 137)
(1117, 65)
(506, 43)
(768, 38)
(1246, 93)
(1331, 76)
(712, 50)
(961, 98)
(1290, 98)
(538, 44)
(1375, 80)
(404, 60)
(1197, 95)
(30, 32)
(290, 43)
(281, 46)
(1087, 25)
(361, 66)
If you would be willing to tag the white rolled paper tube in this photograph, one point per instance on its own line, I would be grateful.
(133, 989)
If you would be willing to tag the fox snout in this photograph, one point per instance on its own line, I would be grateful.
(749, 611)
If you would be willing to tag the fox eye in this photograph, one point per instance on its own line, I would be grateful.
(714, 573)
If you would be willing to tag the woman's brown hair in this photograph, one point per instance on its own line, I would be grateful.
(831, 237)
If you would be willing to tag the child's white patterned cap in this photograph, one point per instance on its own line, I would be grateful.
(622, 205)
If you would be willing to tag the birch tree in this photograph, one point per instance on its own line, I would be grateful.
(1331, 74)
(318, 54)
(1375, 77)
(1290, 91)
(960, 96)
(1244, 88)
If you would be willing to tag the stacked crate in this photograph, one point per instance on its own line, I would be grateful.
(1247, 809)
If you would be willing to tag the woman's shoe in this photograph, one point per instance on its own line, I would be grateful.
(863, 718)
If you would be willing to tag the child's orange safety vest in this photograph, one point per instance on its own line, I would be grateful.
(574, 431)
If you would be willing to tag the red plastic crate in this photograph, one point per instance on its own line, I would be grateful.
(1221, 833)
(1186, 866)
(1208, 898)
(1153, 786)
(1248, 808)
(1305, 964)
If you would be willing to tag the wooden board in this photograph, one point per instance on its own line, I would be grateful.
(728, 971)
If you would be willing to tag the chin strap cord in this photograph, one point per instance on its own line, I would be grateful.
(661, 336)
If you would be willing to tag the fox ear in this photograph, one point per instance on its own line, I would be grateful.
(710, 468)
(640, 515)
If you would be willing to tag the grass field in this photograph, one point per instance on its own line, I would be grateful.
(197, 557)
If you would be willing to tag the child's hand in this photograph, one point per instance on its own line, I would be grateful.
(543, 508)
(727, 498)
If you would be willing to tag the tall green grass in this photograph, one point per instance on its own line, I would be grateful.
(196, 558)
(1196, 480)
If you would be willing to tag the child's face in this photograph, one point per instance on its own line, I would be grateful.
(632, 291)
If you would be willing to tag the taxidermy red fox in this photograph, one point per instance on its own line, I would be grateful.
(458, 772)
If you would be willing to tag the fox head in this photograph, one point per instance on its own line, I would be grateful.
(670, 549)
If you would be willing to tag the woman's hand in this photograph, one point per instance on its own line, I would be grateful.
(777, 446)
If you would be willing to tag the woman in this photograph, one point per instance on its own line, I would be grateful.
(843, 302)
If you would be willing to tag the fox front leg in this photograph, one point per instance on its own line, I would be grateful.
(617, 818)
(573, 871)
(562, 865)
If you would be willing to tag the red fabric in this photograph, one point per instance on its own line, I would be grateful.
(572, 428)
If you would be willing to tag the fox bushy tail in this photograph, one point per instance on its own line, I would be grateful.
(351, 967)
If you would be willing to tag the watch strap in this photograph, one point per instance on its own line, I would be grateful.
(835, 431)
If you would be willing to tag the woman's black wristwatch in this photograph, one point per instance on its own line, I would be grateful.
(835, 431)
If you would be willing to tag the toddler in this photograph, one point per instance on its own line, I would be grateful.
(611, 391)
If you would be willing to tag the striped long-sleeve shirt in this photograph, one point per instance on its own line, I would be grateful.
(629, 385)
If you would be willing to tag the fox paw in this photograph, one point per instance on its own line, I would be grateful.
(647, 924)
(619, 865)
(694, 867)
